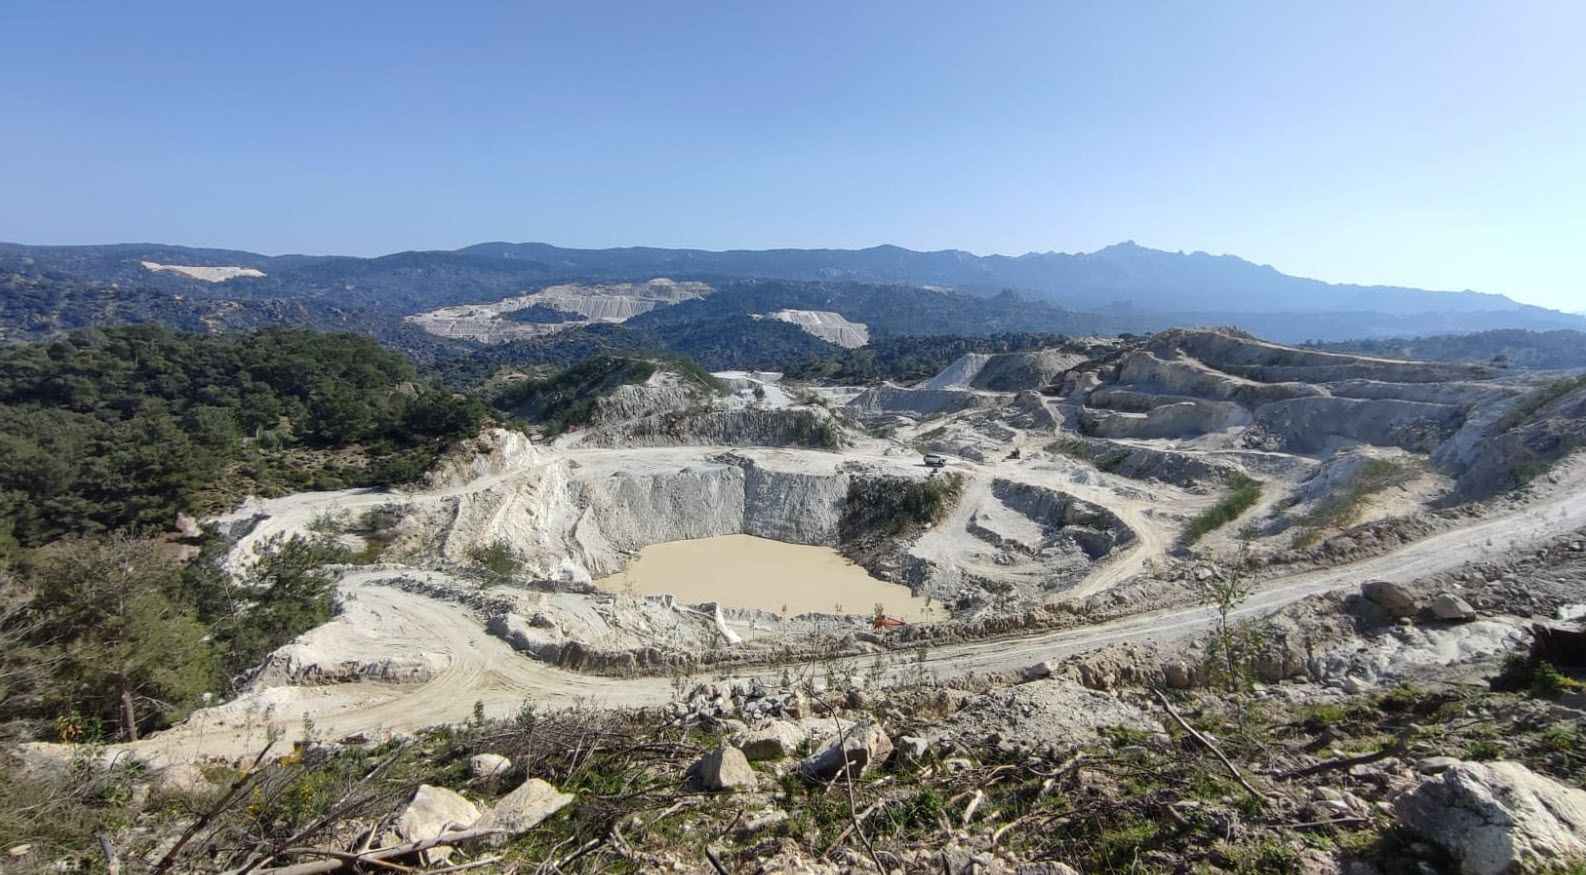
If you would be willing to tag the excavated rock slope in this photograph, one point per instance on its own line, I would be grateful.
(615, 302)
(577, 522)
(1185, 383)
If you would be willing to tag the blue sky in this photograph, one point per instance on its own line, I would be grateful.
(1432, 144)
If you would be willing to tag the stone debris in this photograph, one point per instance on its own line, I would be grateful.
(856, 750)
(521, 810)
(1039, 715)
(433, 812)
(1497, 818)
(913, 747)
(725, 768)
(488, 765)
(1448, 606)
(1038, 671)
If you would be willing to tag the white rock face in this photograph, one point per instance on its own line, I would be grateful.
(1402, 651)
(488, 765)
(725, 768)
(585, 523)
(434, 812)
(613, 302)
(523, 809)
(354, 646)
(960, 374)
(216, 274)
(1498, 818)
(828, 326)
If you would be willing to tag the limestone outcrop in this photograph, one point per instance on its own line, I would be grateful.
(1498, 818)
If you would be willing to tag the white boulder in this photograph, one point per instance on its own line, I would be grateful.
(1497, 818)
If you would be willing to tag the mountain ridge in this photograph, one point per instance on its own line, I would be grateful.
(1125, 285)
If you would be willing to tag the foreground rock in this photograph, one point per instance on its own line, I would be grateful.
(521, 810)
(1390, 596)
(724, 768)
(1452, 608)
(488, 765)
(856, 750)
(1039, 715)
(434, 812)
(772, 740)
(1498, 818)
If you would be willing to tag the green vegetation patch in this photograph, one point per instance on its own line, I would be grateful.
(1539, 398)
(1341, 509)
(106, 430)
(895, 507)
(567, 398)
(1243, 494)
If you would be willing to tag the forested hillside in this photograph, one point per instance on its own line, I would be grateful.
(907, 359)
(1514, 348)
(106, 435)
(110, 429)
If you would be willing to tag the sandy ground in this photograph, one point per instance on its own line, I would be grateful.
(743, 571)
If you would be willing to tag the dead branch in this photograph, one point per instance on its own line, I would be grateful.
(1209, 745)
(340, 859)
(1400, 742)
(334, 812)
(847, 831)
(853, 805)
(112, 862)
(1337, 821)
(213, 812)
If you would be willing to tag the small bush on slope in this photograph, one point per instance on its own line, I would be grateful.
(1243, 493)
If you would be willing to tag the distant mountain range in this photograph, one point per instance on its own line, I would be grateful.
(1122, 275)
(1120, 287)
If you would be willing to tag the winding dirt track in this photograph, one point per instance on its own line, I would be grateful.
(483, 669)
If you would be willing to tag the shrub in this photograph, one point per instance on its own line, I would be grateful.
(1243, 493)
(894, 506)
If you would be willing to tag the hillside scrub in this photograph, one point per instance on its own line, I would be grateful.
(1538, 398)
(1243, 493)
(1504, 347)
(895, 507)
(1342, 508)
(108, 430)
(566, 399)
(908, 359)
(1123, 800)
(110, 639)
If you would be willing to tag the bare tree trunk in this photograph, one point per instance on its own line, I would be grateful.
(128, 716)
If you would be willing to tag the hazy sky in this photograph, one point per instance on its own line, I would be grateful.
(1437, 144)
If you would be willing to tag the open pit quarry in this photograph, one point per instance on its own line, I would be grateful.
(568, 305)
(1072, 477)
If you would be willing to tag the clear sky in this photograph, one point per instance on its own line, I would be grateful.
(1432, 144)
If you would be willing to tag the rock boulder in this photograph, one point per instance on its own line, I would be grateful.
(521, 810)
(433, 812)
(1390, 596)
(1497, 818)
(725, 768)
(1450, 607)
(488, 765)
(771, 740)
(854, 751)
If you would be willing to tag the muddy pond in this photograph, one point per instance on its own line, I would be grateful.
(742, 571)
